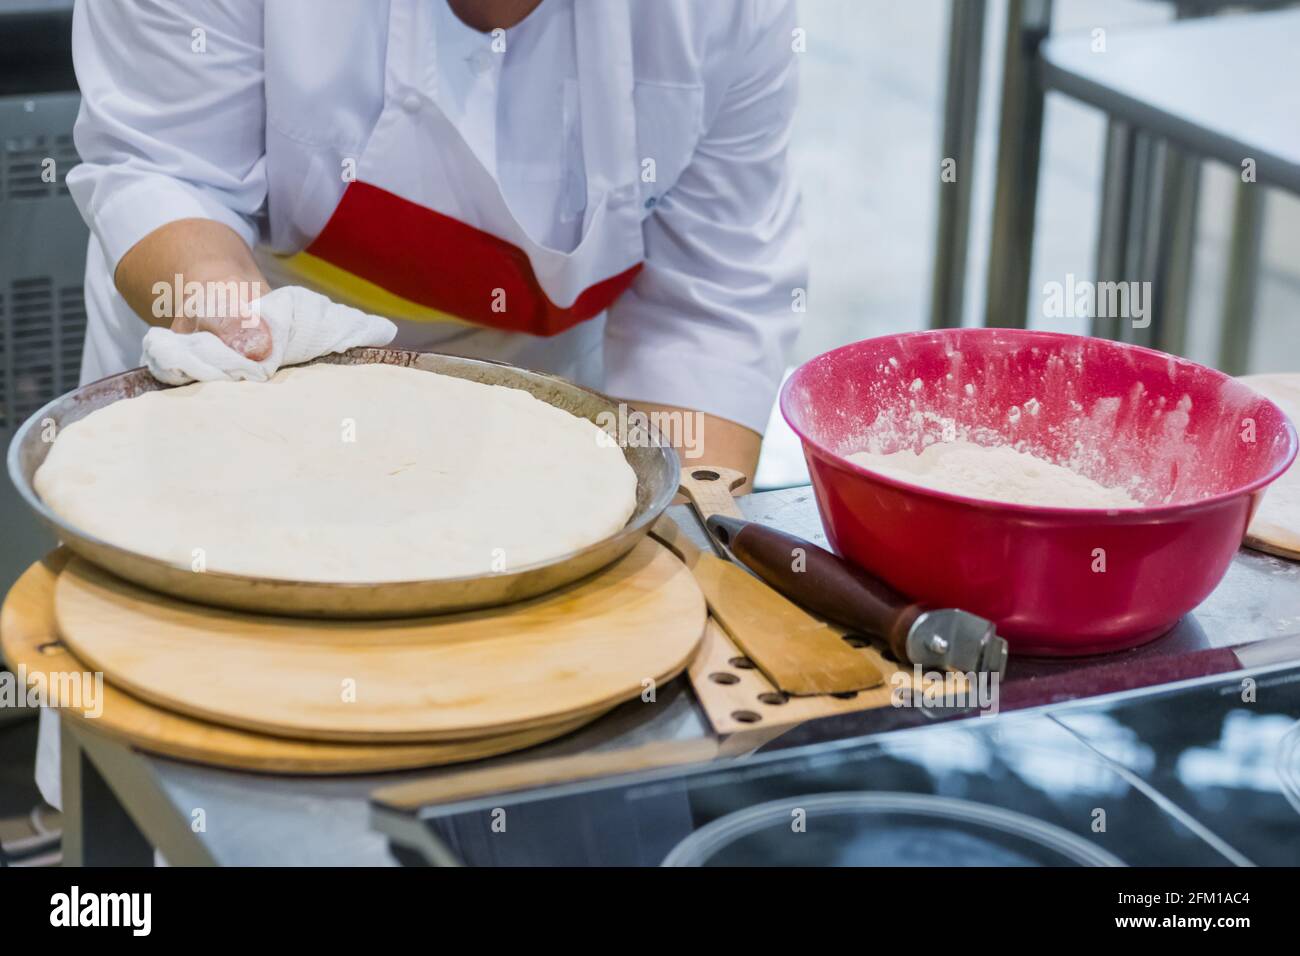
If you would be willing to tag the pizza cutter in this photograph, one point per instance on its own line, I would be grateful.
(828, 585)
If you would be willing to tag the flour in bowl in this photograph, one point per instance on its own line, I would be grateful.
(995, 473)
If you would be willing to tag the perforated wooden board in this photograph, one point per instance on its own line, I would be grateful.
(1276, 526)
(738, 698)
(484, 673)
(31, 643)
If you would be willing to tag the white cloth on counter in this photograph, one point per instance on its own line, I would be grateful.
(304, 325)
(48, 772)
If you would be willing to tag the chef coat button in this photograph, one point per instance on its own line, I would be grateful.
(411, 102)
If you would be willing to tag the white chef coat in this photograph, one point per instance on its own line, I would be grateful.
(252, 132)
(522, 93)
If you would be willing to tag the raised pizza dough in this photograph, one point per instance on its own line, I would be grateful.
(356, 473)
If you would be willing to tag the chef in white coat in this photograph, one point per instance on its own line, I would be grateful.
(597, 188)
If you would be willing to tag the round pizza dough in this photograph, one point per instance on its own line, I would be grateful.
(341, 473)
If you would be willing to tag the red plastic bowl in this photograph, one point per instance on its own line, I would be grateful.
(1057, 581)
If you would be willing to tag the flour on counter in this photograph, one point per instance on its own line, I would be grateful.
(997, 473)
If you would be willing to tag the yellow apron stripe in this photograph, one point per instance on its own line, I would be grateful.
(350, 289)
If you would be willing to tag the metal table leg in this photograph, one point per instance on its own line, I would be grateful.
(1020, 134)
(1146, 233)
(1169, 249)
(1113, 223)
(1146, 230)
(97, 831)
(114, 812)
(960, 118)
(1235, 334)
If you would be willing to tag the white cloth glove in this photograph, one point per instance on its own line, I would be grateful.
(303, 324)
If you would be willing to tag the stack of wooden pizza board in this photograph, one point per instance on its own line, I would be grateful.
(285, 695)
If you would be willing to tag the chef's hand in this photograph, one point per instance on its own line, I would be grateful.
(211, 254)
(237, 323)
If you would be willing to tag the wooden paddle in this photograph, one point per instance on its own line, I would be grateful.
(798, 653)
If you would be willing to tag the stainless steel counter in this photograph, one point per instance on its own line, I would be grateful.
(116, 799)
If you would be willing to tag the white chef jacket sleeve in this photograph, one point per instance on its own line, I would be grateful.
(172, 116)
(708, 321)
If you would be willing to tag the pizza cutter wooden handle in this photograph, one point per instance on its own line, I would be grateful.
(710, 489)
(821, 581)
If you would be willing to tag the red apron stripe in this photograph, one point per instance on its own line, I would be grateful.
(445, 264)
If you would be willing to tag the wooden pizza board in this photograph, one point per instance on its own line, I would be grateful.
(31, 646)
(534, 664)
(1276, 526)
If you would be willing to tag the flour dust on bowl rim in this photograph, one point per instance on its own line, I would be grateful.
(1194, 446)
